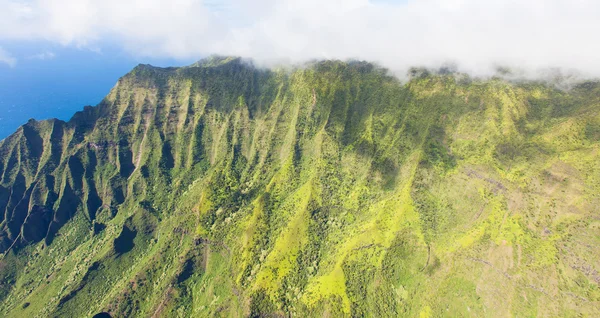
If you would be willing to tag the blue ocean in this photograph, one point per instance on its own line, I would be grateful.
(60, 82)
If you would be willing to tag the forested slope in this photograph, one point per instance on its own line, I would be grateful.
(222, 189)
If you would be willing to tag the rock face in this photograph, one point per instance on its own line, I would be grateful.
(221, 189)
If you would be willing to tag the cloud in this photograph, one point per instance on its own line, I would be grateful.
(6, 58)
(476, 35)
(46, 55)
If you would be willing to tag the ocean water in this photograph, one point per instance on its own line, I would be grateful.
(60, 85)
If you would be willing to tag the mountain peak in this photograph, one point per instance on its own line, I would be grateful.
(218, 60)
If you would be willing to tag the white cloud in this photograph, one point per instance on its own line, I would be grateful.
(45, 55)
(475, 34)
(6, 58)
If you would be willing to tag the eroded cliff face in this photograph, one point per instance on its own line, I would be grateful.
(221, 189)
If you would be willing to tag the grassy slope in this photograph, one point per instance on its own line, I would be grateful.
(332, 190)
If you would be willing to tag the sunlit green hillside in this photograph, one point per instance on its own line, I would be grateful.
(333, 190)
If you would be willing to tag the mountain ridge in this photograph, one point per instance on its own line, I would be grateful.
(331, 189)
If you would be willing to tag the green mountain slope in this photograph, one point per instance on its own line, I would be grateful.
(333, 190)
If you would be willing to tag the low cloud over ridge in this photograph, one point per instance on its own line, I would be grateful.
(476, 35)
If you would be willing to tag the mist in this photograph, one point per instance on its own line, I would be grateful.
(534, 37)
